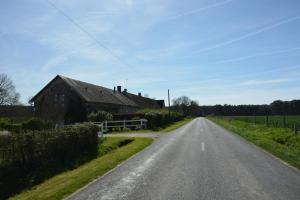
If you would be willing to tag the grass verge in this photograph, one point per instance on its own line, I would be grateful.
(176, 125)
(169, 128)
(278, 141)
(110, 155)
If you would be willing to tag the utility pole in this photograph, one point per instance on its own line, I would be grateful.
(169, 103)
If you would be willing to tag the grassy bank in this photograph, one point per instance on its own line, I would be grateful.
(169, 128)
(281, 142)
(111, 153)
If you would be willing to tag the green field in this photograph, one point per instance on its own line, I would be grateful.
(281, 142)
(277, 121)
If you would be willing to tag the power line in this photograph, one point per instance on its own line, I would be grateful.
(87, 33)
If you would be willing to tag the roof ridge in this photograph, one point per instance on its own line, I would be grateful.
(65, 77)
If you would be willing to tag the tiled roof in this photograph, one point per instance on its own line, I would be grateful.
(142, 102)
(98, 94)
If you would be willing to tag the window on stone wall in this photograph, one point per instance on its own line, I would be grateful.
(59, 100)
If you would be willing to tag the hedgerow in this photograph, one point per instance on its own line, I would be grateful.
(158, 118)
(29, 158)
(33, 123)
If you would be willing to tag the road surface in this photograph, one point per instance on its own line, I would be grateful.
(200, 160)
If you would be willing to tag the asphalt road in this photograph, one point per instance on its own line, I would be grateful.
(198, 161)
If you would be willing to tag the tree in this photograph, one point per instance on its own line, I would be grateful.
(194, 109)
(181, 104)
(277, 107)
(8, 94)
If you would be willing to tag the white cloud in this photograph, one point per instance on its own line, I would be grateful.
(163, 52)
(272, 53)
(129, 2)
(250, 34)
(195, 11)
(264, 82)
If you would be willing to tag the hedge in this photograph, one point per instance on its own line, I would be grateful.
(100, 116)
(158, 118)
(33, 123)
(29, 158)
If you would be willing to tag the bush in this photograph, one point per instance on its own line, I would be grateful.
(100, 116)
(29, 158)
(158, 118)
(4, 122)
(36, 124)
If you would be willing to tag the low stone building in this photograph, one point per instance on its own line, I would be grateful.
(65, 100)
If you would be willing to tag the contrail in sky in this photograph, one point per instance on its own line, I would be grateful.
(248, 35)
(258, 55)
(191, 12)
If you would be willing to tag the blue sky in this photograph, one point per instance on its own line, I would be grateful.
(214, 51)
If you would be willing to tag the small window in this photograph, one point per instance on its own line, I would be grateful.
(56, 98)
(59, 99)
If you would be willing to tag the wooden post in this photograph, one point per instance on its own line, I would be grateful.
(295, 128)
(284, 122)
(124, 124)
(169, 104)
(267, 120)
(105, 125)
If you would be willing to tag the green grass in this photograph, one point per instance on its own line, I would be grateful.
(281, 142)
(274, 120)
(169, 128)
(176, 125)
(110, 155)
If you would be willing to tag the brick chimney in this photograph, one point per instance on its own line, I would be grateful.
(119, 88)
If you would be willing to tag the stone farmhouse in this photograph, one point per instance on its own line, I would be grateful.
(65, 100)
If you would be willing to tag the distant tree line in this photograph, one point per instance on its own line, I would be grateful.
(189, 107)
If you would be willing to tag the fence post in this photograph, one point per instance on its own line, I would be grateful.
(141, 124)
(124, 124)
(284, 122)
(267, 120)
(105, 125)
(295, 128)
